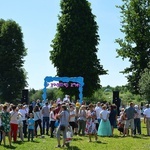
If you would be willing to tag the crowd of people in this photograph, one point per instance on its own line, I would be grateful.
(53, 119)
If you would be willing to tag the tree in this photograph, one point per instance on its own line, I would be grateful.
(74, 48)
(12, 52)
(144, 83)
(136, 44)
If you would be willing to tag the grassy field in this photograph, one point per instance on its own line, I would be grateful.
(139, 142)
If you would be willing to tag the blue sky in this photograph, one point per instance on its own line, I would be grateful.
(38, 20)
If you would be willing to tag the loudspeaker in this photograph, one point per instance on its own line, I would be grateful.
(115, 95)
(25, 96)
(116, 100)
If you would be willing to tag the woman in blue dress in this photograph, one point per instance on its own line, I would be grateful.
(104, 128)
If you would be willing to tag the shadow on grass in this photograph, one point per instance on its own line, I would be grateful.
(31, 142)
(76, 139)
(73, 148)
(116, 136)
(9, 147)
(18, 142)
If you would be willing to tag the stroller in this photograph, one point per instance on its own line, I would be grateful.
(69, 136)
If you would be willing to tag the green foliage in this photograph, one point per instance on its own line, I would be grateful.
(135, 45)
(12, 52)
(144, 83)
(52, 94)
(74, 48)
(105, 94)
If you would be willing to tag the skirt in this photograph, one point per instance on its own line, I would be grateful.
(90, 128)
(104, 128)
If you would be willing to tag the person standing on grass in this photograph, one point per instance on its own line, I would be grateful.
(104, 128)
(23, 113)
(63, 115)
(147, 118)
(98, 109)
(37, 119)
(14, 123)
(20, 126)
(129, 115)
(82, 120)
(52, 121)
(5, 118)
(113, 117)
(45, 113)
(31, 124)
(137, 120)
(91, 125)
(72, 120)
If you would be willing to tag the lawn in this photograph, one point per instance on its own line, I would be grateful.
(139, 142)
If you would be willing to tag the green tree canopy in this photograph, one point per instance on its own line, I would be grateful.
(12, 52)
(136, 44)
(74, 48)
(144, 83)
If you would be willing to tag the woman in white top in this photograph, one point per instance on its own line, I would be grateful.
(72, 120)
(37, 118)
(104, 128)
(52, 121)
(14, 123)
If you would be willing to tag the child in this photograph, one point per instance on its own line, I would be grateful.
(31, 123)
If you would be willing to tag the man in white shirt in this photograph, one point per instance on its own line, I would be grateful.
(98, 109)
(23, 113)
(147, 118)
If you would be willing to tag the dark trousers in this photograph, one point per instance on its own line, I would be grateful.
(30, 134)
(137, 125)
(25, 128)
(82, 125)
(38, 122)
(52, 125)
(45, 121)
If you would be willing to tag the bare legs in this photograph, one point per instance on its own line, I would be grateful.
(9, 138)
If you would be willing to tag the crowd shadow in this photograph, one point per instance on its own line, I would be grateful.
(76, 139)
(135, 136)
(18, 142)
(72, 148)
(9, 147)
(31, 142)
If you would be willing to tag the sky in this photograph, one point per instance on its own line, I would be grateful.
(38, 20)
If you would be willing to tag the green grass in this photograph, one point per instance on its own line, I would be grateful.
(139, 142)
